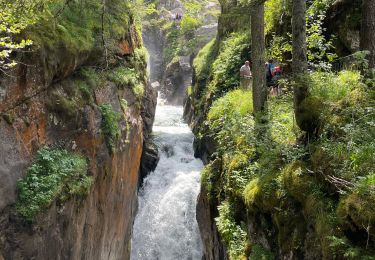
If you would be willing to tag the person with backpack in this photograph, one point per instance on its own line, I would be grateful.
(269, 68)
(276, 76)
(245, 75)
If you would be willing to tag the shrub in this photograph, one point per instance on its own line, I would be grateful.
(258, 252)
(110, 125)
(130, 77)
(234, 235)
(189, 24)
(56, 174)
(123, 76)
(232, 54)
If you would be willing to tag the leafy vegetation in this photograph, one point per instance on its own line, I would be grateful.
(261, 164)
(15, 17)
(110, 125)
(233, 234)
(56, 174)
(128, 77)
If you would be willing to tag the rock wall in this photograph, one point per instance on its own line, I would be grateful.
(99, 225)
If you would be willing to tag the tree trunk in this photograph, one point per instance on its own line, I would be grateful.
(299, 65)
(258, 57)
(368, 30)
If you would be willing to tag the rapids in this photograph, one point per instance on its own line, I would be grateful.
(165, 226)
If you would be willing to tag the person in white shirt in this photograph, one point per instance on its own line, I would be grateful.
(245, 75)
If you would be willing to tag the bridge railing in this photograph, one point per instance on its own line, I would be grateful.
(355, 61)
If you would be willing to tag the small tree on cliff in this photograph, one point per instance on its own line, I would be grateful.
(258, 55)
(368, 30)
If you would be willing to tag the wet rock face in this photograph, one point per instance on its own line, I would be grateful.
(176, 80)
(150, 159)
(213, 248)
(150, 154)
(154, 40)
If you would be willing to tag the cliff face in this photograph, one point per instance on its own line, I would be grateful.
(52, 100)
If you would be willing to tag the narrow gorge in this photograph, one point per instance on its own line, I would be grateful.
(134, 129)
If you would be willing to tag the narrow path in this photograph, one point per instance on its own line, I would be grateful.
(165, 227)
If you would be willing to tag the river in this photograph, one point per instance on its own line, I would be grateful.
(165, 226)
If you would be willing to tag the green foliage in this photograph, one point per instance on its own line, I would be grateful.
(258, 252)
(347, 135)
(189, 24)
(173, 37)
(234, 235)
(204, 60)
(181, 38)
(66, 28)
(70, 95)
(16, 15)
(56, 174)
(124, 76)
(279, 47)
(110, 125)
(320, 51)
(232, 54)
(273, 11)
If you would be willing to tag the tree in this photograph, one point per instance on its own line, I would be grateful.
(15, 16)
(368, 30)
(299, 63)
(258, 55)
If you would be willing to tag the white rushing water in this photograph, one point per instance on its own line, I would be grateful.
(165, 227)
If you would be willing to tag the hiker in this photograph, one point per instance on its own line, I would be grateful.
(276, 76)
(269, 68)
(178, 17)
(245, 75)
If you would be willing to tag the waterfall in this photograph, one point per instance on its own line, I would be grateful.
(165, 226)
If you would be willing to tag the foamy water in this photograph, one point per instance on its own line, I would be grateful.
(165, 226)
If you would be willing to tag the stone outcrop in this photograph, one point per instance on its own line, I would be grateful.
(33, 116)
(206, 212)
(343, 21)
(150, 154)
(177, 78)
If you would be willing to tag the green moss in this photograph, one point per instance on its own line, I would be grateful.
(9, 118)
(128, 77)
(263, 193)
(65, 30)
(123, 76)
(124, 105)
(258, 252)
(56, 174)
(356, 208)
(110, 126)
(203, 65)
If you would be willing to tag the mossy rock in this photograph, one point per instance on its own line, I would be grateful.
(263, 194)
(9, 118)
(308, 114)
(296, 181)
(356, 211)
